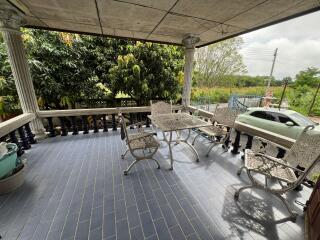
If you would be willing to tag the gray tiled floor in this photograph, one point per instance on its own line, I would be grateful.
(75, 189)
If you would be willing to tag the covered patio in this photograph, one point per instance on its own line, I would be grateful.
(85, 195)
(75, 187)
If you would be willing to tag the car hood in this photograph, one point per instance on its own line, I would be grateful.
(317, 128)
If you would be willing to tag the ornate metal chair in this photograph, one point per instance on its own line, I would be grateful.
(138, 142)
(305, 152)
(158, 108)
(222, 124)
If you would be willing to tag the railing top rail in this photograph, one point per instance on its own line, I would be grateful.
(96, 111)
(253, 131)
(273, 137)
(12, 124)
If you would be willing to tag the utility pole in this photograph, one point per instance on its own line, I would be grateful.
(282, 95)
(314, 99)
(271, 73)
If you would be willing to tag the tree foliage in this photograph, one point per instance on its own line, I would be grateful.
(309, 77)
(217, 62)
(148, 71)
(304, 91)
(69, 67)
(8, 96)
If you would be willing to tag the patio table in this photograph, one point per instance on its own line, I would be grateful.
(169, 123)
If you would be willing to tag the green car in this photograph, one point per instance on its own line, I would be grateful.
(284, 122)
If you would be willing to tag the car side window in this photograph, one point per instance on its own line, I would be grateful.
(283, 118)
(263, 115)
(259, 114)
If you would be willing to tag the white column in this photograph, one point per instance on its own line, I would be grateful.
(10, 21)
(188, 67)
(189, 43)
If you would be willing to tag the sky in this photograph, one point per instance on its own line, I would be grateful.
(298, 43)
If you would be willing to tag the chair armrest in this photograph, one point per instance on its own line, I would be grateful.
(137, 124)
(139, 136)
(269, 142)
(276, 160)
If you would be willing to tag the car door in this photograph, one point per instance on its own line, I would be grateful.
(262, 119)
(285, 130)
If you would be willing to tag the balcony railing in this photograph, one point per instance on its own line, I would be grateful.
(241, 128)
(17, 130)
(20, 125)
(82, 119)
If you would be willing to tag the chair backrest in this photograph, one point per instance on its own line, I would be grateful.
(305, 151)
(124, 132)
(225, 116)
(160, 107)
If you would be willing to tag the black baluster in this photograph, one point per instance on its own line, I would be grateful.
(227, 141)
(139, 117)
(248, 144)
(85, 125)
(281, 153)
(51, 130)
(64, 131)
(3, 139)
(95, 125)
(104, 121)
(147, 121)
(14, 139)
(29, 133)
(114, 126)
(131, 121)
(25, 143)
(74, 126)
(236, 143)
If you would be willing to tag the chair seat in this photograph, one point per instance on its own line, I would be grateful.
(142, 141)
(269, 168)
(213, 131)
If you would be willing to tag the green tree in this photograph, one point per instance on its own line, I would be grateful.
(60, 67)
(70, 67)
(148, 71)
(304, 90)
(288, 80)
(309, 77)
(9, 103)
(217, 62)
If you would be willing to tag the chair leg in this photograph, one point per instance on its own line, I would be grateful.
(195, 138)
(293, 215)
(129, 168)
(125, 153)
(178, 133)
(156, 162)
(210, 148)
(240, 170)
(134, 162)
(237, 193)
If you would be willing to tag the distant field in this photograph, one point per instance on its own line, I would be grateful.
(222, 94)
(299, 101)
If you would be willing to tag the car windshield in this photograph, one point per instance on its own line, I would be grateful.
(302, 119)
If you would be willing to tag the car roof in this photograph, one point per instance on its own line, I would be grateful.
(282, 110)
